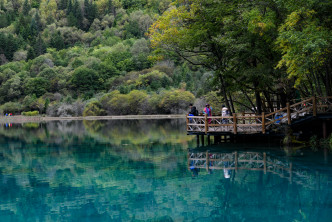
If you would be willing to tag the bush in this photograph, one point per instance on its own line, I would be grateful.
(31, 113)
(176, 101)
(11, 107)
(93, 109)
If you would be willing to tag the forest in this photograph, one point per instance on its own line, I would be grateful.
(119, 57)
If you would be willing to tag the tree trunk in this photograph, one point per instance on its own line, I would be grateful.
(224, 91)
(258, 98)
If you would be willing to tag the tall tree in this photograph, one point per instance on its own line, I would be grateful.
(26, 7)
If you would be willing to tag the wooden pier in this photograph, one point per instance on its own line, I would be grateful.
(266, 123)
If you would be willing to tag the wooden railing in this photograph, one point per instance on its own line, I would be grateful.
(252, 123)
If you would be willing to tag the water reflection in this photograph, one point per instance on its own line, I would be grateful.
(232, 162)
(141, 171)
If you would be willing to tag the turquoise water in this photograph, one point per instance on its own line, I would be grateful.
(147, 170)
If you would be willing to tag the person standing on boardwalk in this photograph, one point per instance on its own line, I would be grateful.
(224, 113)
(193, 111)
(208, 111)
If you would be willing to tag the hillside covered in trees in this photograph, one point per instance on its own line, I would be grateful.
(111, 57)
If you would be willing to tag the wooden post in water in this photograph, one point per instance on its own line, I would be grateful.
(206, 124)
(289, 114)
(314, 106)
(209, 141)
(264, 160)
(234, 124)
(263, 122)
(197, 140)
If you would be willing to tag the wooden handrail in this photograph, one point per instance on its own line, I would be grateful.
(280, 110)
(239, 120)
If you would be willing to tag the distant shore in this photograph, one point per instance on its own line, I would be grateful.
(19, 118)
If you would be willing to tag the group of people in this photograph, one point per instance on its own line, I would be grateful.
(208, 111)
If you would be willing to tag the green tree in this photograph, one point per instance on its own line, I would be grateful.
(85, 79)
(26, 7)
(57, 41)
(37, 86)
(39, 46)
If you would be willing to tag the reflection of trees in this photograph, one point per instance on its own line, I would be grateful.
(65, 171)
(46, 163)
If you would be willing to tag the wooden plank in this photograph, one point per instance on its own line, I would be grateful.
(221, 124)
(304, 101)
(196, 117)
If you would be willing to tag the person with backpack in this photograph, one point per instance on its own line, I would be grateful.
(193, 111)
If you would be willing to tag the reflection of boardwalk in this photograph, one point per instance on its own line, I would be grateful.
(248, 123)
(254, 161)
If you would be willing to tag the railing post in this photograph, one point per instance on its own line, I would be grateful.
(243, 120)
(314, 104)
(187, 120)
(263, 122)
(234, 124)
(289, 114)
(206, 124)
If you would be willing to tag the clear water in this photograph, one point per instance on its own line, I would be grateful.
(138, 170)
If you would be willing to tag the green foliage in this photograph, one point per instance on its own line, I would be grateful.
(85, 79)
(154, 80)
(175, 101)
(11, 107)
(31, 113)
(93, 109)
(241, 53)
(37, 86)
(8, 45)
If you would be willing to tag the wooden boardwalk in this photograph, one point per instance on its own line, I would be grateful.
(250, 123)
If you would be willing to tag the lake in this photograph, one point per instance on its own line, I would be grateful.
(150, 170)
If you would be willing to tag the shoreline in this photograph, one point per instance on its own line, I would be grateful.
(21, 119)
